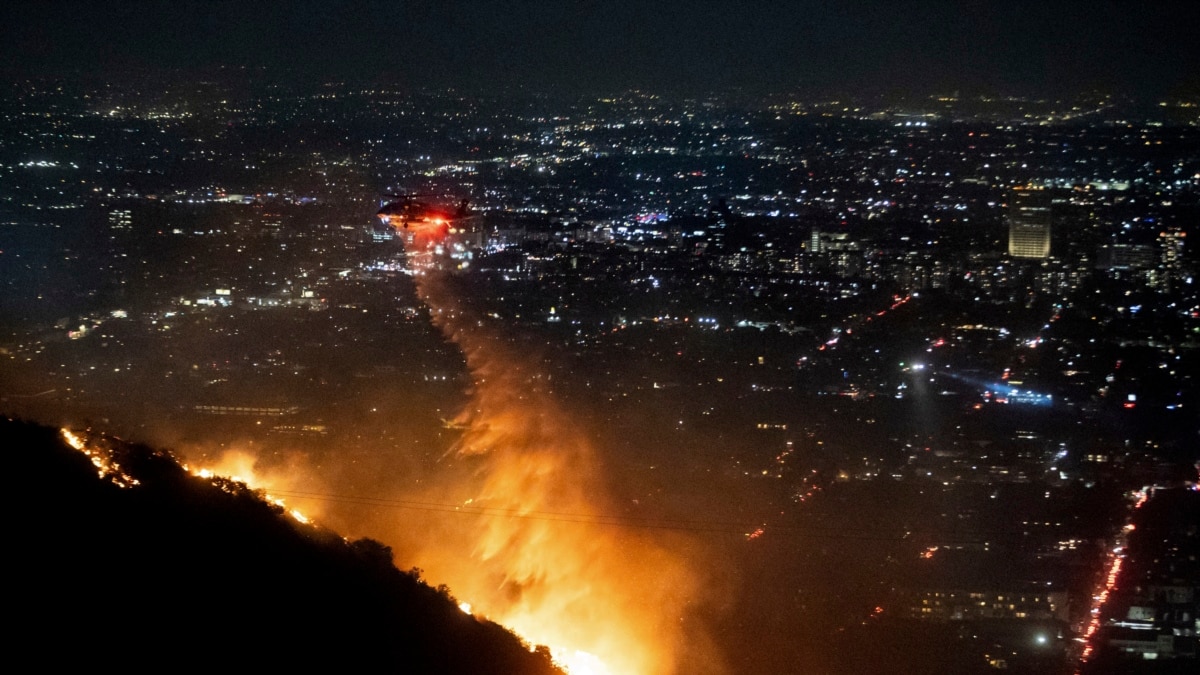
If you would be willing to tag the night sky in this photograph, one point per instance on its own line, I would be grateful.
(1042, 47)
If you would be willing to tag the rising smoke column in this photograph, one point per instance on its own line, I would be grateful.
(550, 570)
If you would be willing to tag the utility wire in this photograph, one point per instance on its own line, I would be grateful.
(640, 522)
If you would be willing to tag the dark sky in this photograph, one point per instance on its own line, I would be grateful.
(924, 46)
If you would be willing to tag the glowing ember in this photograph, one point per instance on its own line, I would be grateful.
(72, 439)
(102, 458)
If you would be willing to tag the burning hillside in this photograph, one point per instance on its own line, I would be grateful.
(124, 557)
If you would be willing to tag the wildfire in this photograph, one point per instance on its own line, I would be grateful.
(100, 451)
(605, 600)
(531, 548)
(102, 458)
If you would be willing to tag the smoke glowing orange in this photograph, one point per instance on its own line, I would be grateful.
(605, 599)
(535, 547)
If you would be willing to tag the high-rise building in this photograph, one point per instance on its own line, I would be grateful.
(120, 220)
(1170, 244)
(1029, 223)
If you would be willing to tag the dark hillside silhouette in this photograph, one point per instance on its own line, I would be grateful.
(177, 573)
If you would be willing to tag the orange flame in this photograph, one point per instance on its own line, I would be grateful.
(605, 599)
(244, 467)
(235, 466)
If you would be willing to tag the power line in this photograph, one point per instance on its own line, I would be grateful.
(635, 522)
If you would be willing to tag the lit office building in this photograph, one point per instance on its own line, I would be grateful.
(1029, 223)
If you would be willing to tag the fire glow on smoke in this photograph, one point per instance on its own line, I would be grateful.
(606, 600)
(534, 551)
(557, 583)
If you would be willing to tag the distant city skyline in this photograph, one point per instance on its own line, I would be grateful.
(925, 46)
(720, 370)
